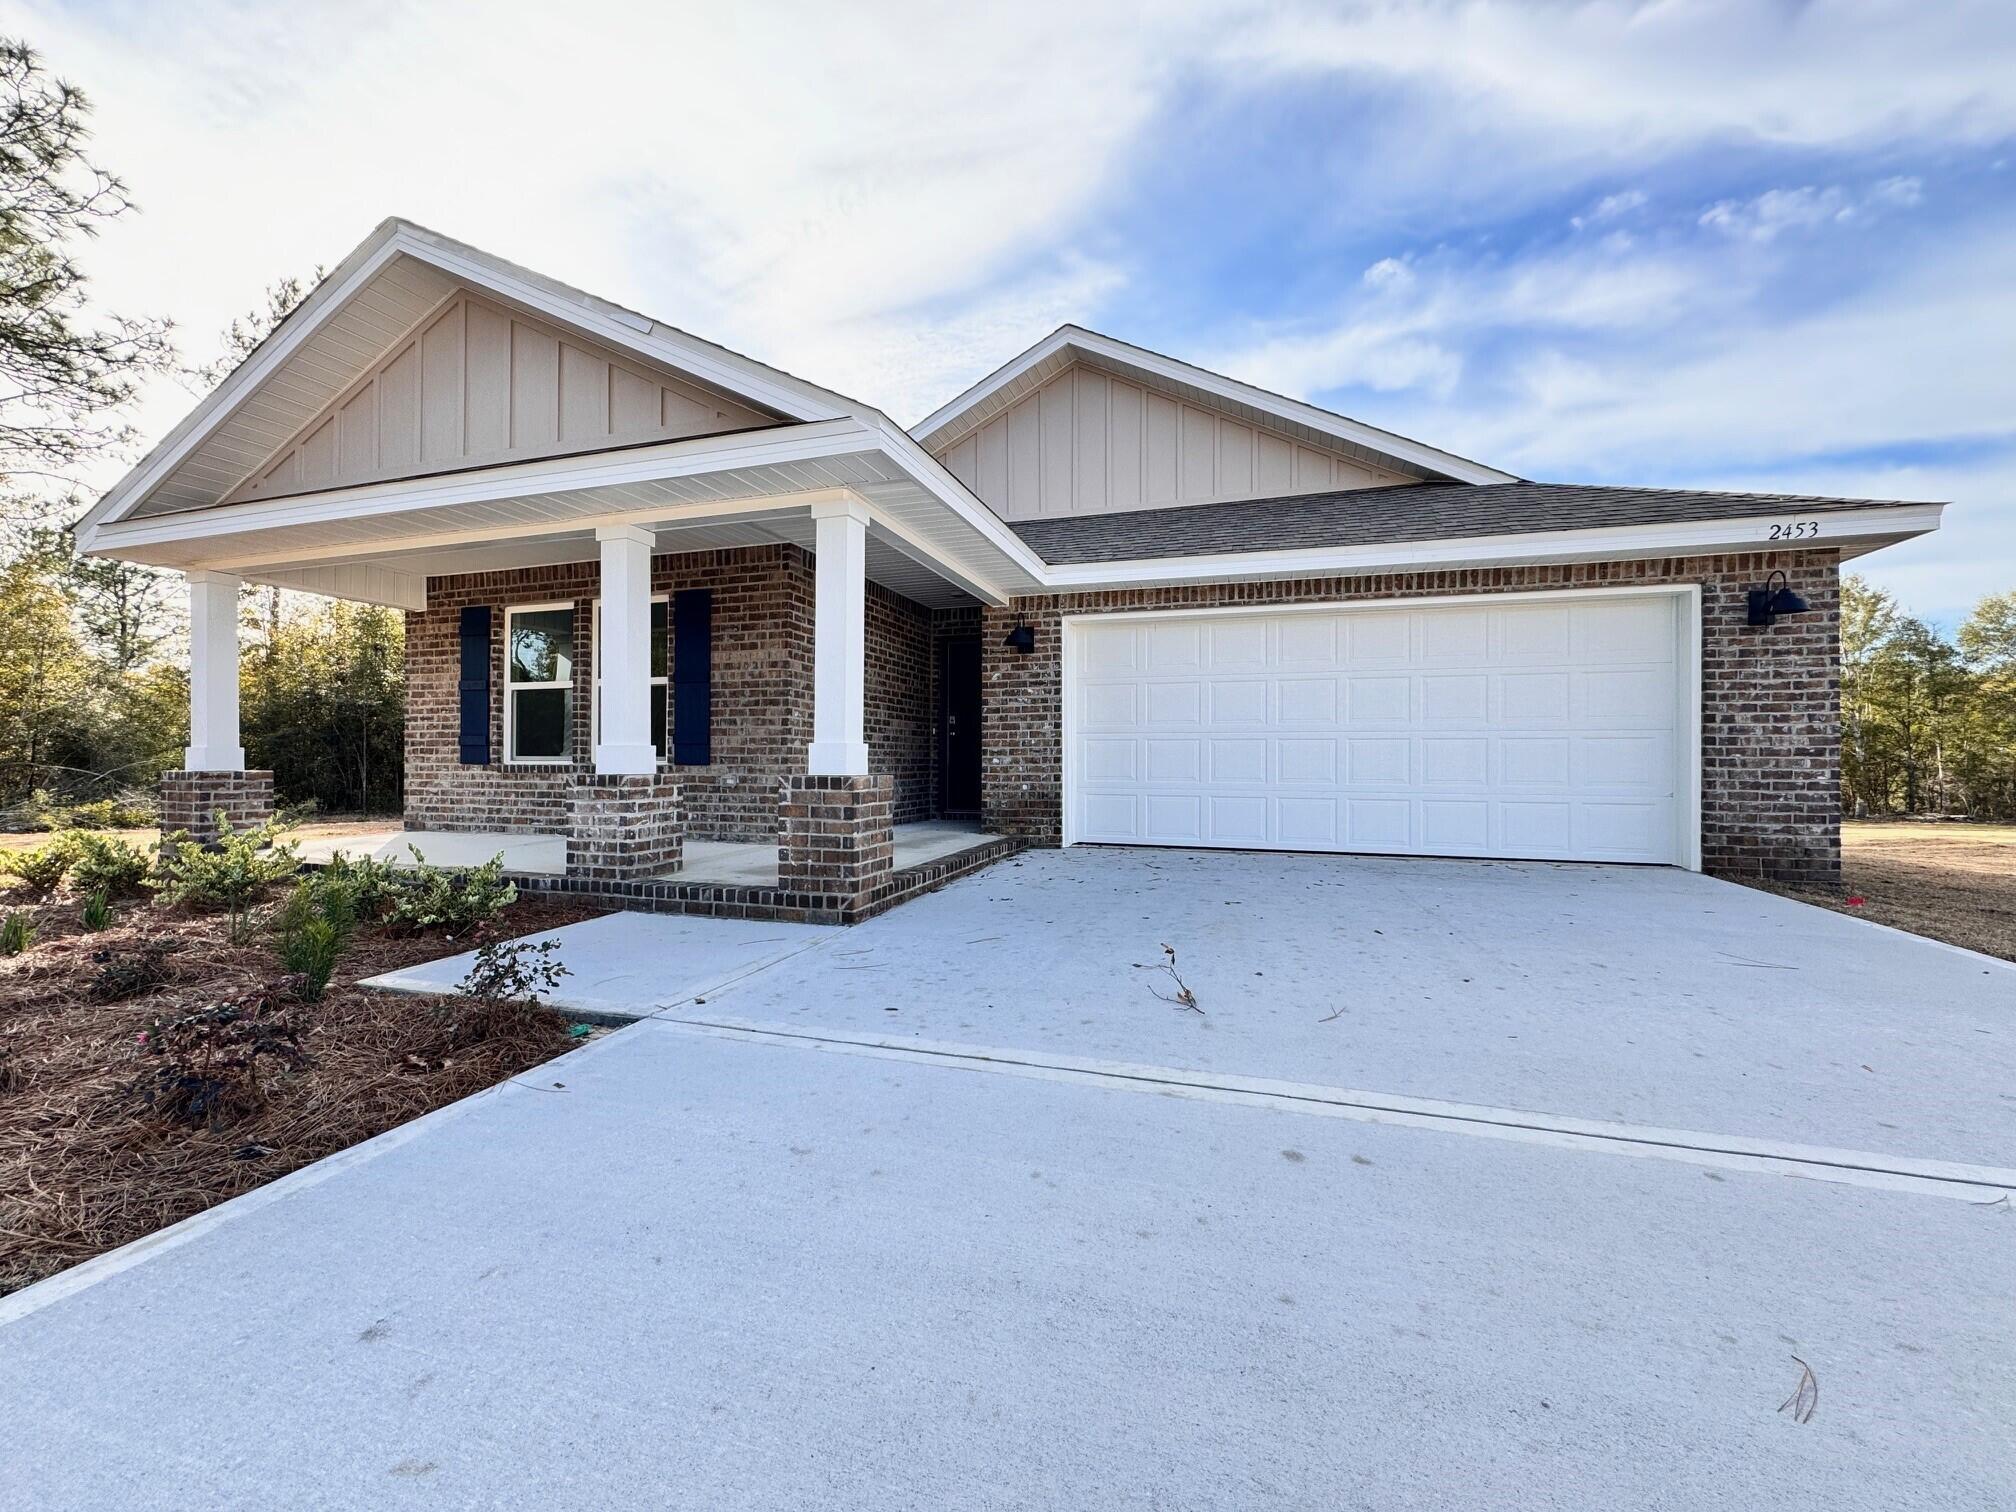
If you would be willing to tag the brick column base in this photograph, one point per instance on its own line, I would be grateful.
(192, 800)
(834, 836)
(623, 828)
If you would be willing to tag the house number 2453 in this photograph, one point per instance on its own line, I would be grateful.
(1795, 530)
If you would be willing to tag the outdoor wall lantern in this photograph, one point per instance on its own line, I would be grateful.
(1768, 602)
(1023, 636)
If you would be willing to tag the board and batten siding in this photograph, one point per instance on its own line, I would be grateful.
(475, 384)
(1090, 443)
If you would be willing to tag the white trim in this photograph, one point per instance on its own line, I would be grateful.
(737, 375)
(510, 687)
(1173, 370)
(1687, 649)
(607, 469)
(595, 673)
(1604, 543)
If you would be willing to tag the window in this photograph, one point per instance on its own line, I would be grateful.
(539, 683)
(661, 666)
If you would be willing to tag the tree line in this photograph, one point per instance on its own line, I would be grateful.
(1928, 721)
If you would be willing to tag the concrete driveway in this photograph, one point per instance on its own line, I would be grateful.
(951, 1210)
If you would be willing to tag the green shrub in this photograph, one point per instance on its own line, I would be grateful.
(372, 886)
(454, 898)
(314, 928)
(16, 934)
(105, 863)
(40, 870)
(233, 872)
(40, 810)
(97, 910)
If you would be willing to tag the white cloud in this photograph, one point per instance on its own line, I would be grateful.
(1611, 207)
(1777, 211)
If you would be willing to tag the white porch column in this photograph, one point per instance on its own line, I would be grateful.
(839, 640)
(625, 670)
(213, 675)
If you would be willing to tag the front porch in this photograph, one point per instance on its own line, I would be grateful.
(730, 878)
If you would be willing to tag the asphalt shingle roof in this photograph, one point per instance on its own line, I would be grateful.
(1403, 512)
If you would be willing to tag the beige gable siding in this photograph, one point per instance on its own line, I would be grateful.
(476, 384)
(1087, 442)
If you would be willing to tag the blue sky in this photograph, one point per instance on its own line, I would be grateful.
(1740, 245)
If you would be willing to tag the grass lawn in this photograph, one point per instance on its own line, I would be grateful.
(1951, 882)
(103, 1140)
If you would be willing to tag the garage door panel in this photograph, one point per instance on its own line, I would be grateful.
(1455, 698)
(1378, 700)
(1172, 760)
(1239, 703)
(1455, 760)
(1543, 730)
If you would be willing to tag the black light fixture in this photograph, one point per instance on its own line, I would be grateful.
(1767, 603)
(1022, 638)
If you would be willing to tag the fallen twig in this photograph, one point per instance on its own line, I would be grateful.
(1183, 997)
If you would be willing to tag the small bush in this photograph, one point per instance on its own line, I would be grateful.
(40, 810)
(130, 974)
(40, 870)
(512, 972)
(451, 898)
(16, 934)
(234, 872)
(372, 885)
(104, 863)
(213, 1061)
(314, 928)
(97, 911)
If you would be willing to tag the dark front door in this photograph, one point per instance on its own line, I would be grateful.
(959, 730)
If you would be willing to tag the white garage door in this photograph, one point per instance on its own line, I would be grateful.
(1545, 729)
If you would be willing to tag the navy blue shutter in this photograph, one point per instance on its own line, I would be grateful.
(473, 687)
(693, 676)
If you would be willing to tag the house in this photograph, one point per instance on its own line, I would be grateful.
(661, 597)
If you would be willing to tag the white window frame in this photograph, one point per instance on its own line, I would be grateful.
(595, 682)
(511, 756)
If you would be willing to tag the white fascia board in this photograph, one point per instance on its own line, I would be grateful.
(346, 279)
(1606, 543)
(739, 375)
(624, 329)
(358, 583)
(644, 464)
(908, 453)
(1173, 370)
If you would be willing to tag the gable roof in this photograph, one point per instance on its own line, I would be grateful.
(384, 288)
(1404, 513)
(1072, 345)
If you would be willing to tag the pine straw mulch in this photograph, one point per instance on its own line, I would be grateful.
(86, 1166)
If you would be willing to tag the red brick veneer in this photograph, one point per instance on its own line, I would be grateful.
(192, 800)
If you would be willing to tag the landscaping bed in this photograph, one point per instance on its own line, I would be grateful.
(213, 1069)
(1947, 881)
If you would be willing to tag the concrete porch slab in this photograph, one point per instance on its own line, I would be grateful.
(755, 865)
(541, 855)
(727, 863)
(626, 965)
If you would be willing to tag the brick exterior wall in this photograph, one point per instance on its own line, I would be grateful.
(191, 800)
(834, 838)
(623, 828)
(762, 696)
(1770, 740)
(898, 714)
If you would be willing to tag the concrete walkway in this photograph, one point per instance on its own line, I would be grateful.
(827, 1264)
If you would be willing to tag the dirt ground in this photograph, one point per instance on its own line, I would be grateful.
(1947, 881)
(88, 1162)
(314, 829)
